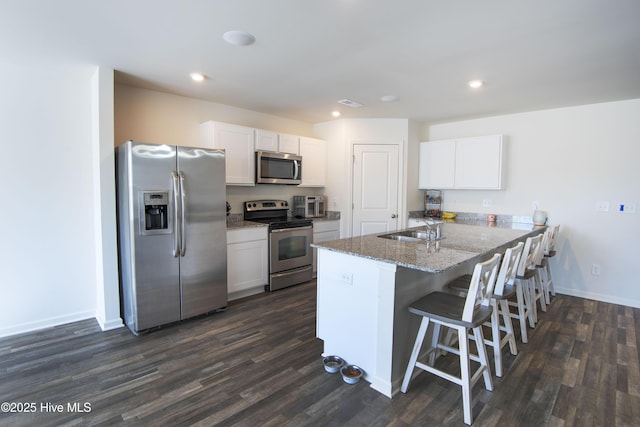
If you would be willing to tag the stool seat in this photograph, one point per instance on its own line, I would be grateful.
(448, 308)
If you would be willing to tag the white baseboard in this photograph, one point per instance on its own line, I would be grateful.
(110, 324)
(46, 323)
(599, 297)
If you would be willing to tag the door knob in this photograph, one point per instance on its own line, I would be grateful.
(394, 216)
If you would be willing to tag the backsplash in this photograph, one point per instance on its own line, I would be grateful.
(472, 216)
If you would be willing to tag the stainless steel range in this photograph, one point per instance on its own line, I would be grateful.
(290, 254)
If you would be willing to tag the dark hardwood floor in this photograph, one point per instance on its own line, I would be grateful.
(259, 364)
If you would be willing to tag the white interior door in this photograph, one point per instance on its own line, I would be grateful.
(375, 189)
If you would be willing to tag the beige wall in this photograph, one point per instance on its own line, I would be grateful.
(567, 159)
(150, 116)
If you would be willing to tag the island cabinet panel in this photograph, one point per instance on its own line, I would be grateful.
(355, 314)
(466, 163)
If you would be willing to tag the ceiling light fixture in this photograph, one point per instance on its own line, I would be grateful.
(475, 84)
(239, 38)
(350, 103)
(388, 98)
(197, 77)
(335, 113)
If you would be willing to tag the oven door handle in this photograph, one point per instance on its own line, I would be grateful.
(280, 230)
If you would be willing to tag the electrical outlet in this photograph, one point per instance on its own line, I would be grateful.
(486, 203)
(347, 278)
(596, 269)
(627, 208)
(602, 206)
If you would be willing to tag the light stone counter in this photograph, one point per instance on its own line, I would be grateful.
(461, 243)
(366, 284)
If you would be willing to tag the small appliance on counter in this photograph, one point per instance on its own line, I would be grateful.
(308, 206)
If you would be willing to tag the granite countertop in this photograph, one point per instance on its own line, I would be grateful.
(243, 224)
(463, 240)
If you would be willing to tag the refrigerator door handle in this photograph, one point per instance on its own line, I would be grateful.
(176, 215)
(183, 214)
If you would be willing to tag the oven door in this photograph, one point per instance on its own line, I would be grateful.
(290, 248)
(290, 256)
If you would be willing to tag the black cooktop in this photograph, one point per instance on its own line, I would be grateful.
(273, 212)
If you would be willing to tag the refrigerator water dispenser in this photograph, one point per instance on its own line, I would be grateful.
(155, 215)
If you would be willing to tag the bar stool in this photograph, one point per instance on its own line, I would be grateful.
(526, 277)
(550, 252)
(503, 290)
(460, 314)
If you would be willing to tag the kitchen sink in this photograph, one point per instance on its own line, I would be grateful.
(412, 236)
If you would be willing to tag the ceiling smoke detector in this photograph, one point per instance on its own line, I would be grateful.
(350, 103)
(239, 38)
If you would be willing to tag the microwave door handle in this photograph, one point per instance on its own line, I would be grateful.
(296, 170)
(183, 209)
(176, 215)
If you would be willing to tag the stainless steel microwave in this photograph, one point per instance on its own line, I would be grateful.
(278, 168)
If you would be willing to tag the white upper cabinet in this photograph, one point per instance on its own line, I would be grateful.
(479, 163)
(314, 162)
(437, 160)
(238, 143)
(465, 163)
(266, 140)
(288, 144)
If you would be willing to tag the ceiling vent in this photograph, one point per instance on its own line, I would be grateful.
(350, 103)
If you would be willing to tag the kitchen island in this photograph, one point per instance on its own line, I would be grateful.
(366, 283)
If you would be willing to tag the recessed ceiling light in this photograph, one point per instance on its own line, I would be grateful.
(239, 38)
(388, 98)
(197, 77)
(350, 103)
(335, 113)
(475, 84)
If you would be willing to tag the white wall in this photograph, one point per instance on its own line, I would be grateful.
(47, 255)
(341, 135)
(568, 159)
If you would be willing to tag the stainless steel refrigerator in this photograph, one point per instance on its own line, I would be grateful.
(172, 233)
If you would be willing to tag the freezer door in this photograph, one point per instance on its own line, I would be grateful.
(203, 266)
(150, 271)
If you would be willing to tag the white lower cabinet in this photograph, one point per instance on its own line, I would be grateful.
(247, 261)
(323, 231)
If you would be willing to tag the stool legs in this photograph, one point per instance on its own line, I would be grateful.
(415, 353)
(466, 379)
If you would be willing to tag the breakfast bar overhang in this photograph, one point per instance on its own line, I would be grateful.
(365, 285)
